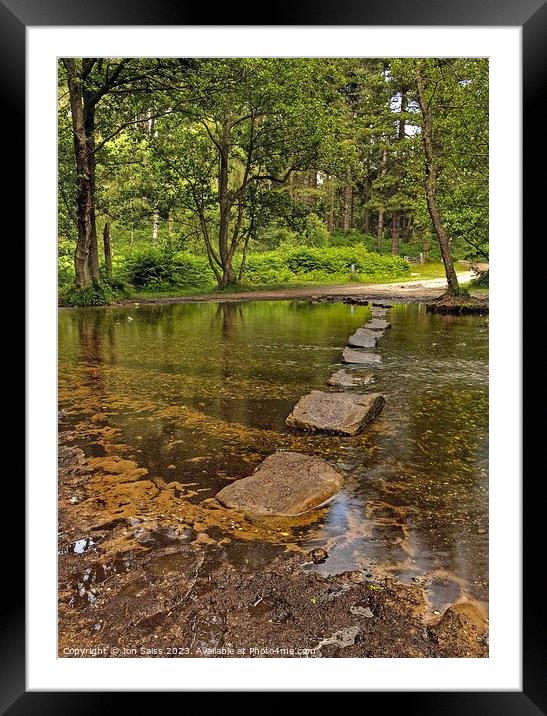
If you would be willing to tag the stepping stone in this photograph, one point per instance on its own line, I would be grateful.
(344, 379)
(286, 483)
(351, 355)
(337, 413)
(363, 338)
(379, 312)
(377, 324)
(382, 304)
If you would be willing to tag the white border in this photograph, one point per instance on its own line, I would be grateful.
(501, 671)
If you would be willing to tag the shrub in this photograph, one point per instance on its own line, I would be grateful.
(268, 267)
(65, 262)
(275, 236)
(99, 294)
(352, 238)
(153, 269)
(313, 264)
(191, 271)
(150, 268)
(480, 279)
(315, 232)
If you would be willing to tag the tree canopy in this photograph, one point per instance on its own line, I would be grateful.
(229, 159)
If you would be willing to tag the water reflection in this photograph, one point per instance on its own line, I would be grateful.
(200, 392)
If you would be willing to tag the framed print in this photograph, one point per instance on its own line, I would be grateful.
(265, 388)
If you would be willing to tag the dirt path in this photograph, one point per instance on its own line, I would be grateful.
(409, 291)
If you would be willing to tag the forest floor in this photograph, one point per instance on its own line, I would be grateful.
(417, 291)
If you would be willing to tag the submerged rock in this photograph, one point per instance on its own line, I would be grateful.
(338, 413)
(286, 483)
(363, 338)
(353, 379)
(351, 355)
(377, 324)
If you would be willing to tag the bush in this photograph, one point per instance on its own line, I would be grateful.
(65, 262)
(316, 232)
(191, 271)
(99, 294)
(153, 269)
(268, 267)
(352, 238)
(313, 264)
(275, 236)
(481, 279)
(150, 268)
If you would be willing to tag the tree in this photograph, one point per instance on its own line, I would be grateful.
(453, 100)
(90, 82)
(431, 177)
(220, 156)
(247, 123)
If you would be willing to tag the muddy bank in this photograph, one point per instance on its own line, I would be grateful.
(185, 602)
(165, 586)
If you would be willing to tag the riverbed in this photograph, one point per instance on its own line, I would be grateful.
(160, 406)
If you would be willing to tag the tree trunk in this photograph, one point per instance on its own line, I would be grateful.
(155, 227)
(380, 229)
(225, 204)
(347, 211)
(395, 216)
(395, 232)
(107, 250)
(89, 111)
(431, 171)
(330, 213)
(170, 225)
(402, 121)
(408, 230)
(312, 184)
(380, 223)
(85, 195)
(365, 223)
(365, 226)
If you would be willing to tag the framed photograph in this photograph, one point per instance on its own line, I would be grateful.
(273, 427)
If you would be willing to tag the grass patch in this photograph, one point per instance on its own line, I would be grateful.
(432, 269)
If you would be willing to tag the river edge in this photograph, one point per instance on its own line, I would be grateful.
(409, 292)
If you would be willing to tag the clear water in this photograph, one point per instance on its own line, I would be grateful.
(197, 394)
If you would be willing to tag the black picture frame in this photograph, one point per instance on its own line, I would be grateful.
(531, 16)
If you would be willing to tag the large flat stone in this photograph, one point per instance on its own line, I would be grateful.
(338, 413)
(363, 338)
(377, 324)
(378, 312)
(349, 379)
(286, 483)
(351, 355)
